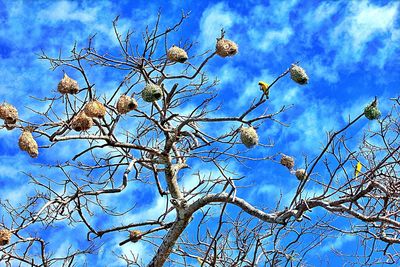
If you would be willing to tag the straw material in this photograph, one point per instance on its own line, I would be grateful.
(28, 144)
(287, 161)
(8, 113)
(68, 85)
(298, 74)
(126, 104)
(226, 48)
(177, 54)
(81, 122)
(95, 109)
(5, 237)
(301, 174)
(249, 137)
(135, 236)
(151, 92)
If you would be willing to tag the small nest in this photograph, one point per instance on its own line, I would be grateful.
(95, 109)
(298, 74)
(135, 236)
(5, 237)
(151, 92)
(371, 111)
(177, 54)
(301, 174)
(68, 85)
(287, 161)
(226, 48)
(8, 113)
(126, 104)
(81, 122)
(249, 136)
(28, 144)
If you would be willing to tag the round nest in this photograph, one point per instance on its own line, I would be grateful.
(8, 113)
(249, 137)
(301, 174)
(81, 122)
(177, 54)
(135, 236)
(95, 109)
(287, 161)
(28, 144)
(372, 112)
(5, 237)
(151, 92)
(126, 104)
(298, 74)
(68, 85)
(226, 48)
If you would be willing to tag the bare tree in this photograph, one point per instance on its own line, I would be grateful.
(138, 133)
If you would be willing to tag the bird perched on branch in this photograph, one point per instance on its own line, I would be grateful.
(264, 87)
(357, 169)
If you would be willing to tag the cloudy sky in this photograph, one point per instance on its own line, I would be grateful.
(350, 50)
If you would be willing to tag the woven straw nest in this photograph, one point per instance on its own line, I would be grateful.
(81, 122)
(298, 74)
(151, 92)
(287, 161)
(8, 113)
(301, 174)
(226, 48)
(249, 136)
(68, 85)
(5, 237)
(125, 104)
(177, 54)
(371, 111)
(95, 109)
(28, 144)
(135, 236)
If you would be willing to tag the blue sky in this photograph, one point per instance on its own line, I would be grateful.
(350, 50)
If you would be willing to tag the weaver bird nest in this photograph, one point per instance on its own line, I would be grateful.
(81, 122)
(68, 85)
(151, 92)
(371, 111)
(135, 236)
(95, 109)
(249, 136)
(226, 48)
(8, 113)
(287, 161)
(125, 104)
(298, 74)
(177, 54)
(301, 174)
(5, 237)
(28, 144)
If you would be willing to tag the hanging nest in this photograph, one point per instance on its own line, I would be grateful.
(151, 92)
(28, 144)
(301, 174)
(177, 54)
(68, 85)
(135, 236)
(298, 74)
(226, 48)
(81, 122)
(371, 111)
(249, 136)
(126, 104)
(8, 113)
(95, 109)
(287, 161)
(5, 237)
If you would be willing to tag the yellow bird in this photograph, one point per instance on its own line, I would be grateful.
(264, 87)
(358, 169)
